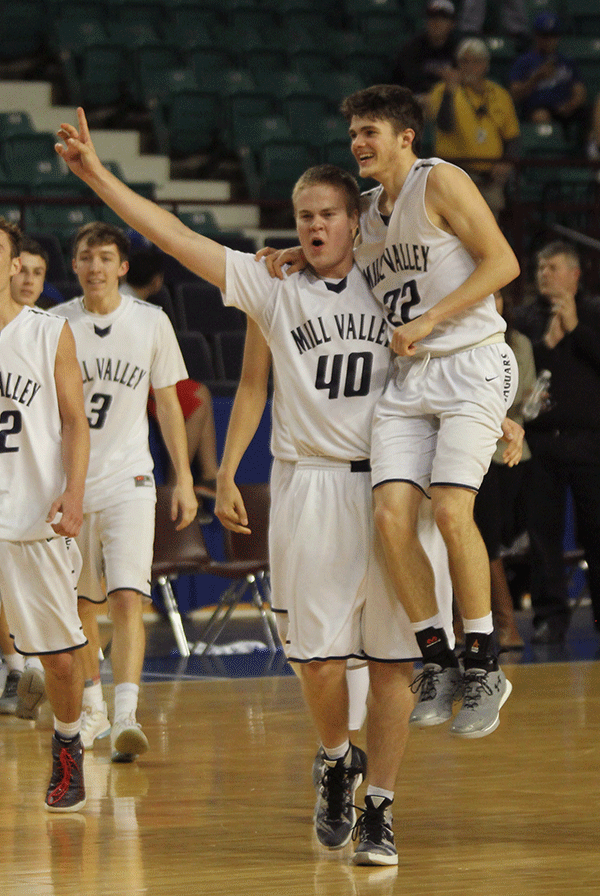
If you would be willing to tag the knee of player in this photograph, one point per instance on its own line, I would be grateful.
(124, 605)
(453, 515)
(391, 525)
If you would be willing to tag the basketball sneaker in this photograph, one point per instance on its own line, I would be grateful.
(318, 767)
(9, 699)
(375, 835)
(66, 791)
(334, 810)
(31, 692)
(127, 739)
(94, 724)
(438, 688)
(485, 693)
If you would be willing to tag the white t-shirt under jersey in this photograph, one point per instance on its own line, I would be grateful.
(330, 353)
(31, 468)
(411, 264)
(121, 355)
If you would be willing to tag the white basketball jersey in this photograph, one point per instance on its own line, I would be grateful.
(410, 265)
(122, 354)
(31, 469)
(330, 353)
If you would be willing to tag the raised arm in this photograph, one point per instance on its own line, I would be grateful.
(75, 437)
(201, 255)
(248, 407)
(184, 505)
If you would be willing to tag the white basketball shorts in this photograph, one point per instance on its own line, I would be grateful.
(38, 584)
(332, 575)
(439, 419)
(116, 545)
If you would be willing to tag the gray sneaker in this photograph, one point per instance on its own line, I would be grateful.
(31, 692)
(485, 694)
(438, 688)
(334, 810)
(375, 835)
(8, 700)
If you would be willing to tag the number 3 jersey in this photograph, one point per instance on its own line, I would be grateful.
(330, 353)
(411, 264)
(121, 355)
(31, 469)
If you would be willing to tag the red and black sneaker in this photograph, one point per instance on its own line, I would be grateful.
(66, 791)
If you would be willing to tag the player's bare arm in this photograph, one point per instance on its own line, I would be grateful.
(454, 204)
(201, 255)
(75, 436)
(184, 504)
(248, 406)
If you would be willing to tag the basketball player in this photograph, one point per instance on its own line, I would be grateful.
(248, 406)
(124, 346)
(330, 356)
(44, 450)
(24, 689)
(433, 255)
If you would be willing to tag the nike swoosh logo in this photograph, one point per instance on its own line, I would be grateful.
(489, 379)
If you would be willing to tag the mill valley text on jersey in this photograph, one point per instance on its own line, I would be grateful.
(114, 370)
(347, 326)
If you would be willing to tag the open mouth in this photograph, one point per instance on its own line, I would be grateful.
(317, 242)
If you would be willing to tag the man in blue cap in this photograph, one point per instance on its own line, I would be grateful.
(545, 85)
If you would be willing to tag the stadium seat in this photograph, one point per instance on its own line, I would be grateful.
(200, 307)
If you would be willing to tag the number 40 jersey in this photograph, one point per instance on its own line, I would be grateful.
(331, 356)
(121, 355)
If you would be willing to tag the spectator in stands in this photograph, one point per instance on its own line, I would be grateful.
(475, 119)
(564, 327)
(144, 279)
(428, 57)
(545, 85)
(514, 21)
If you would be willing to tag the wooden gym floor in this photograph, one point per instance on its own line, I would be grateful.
(222, 803)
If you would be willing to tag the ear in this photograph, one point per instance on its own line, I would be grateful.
(408, 136)
(123, 268)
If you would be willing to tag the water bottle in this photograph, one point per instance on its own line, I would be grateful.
(539, 400)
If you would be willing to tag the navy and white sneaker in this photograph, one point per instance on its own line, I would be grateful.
(373, 829)
(334, 815)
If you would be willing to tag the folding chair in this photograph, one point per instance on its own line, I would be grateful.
(247, 563)
(176, 553)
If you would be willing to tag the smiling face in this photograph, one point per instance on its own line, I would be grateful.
(326, 229)
(377, 148)
(98, 269)
(27, 285)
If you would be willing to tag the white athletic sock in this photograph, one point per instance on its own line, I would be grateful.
(379, 791)
(126, 700)
(484, 625)
(68, 730)
(92, 696)
(15, 662)
(357, 679)
(337, 752)
(434, 622)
